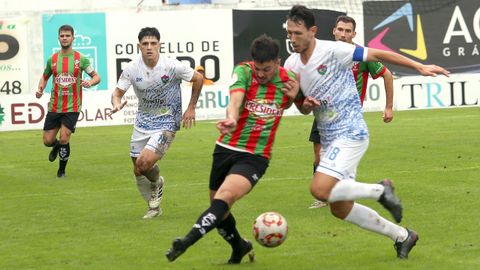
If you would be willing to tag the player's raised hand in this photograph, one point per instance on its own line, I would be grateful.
(117, 107)
(226, 126)
(432, 70)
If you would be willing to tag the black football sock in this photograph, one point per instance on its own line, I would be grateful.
(228, 230)
(64, 154)
(206, 222)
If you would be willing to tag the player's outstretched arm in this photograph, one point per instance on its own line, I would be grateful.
(397, 59)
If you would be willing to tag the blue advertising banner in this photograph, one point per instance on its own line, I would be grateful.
(90, 40)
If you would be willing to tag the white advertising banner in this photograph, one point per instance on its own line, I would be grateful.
(195, 37)
(21, 112)
(419, 92)
(13, 57)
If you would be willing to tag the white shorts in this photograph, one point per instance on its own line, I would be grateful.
(158, 142)
(342, 157)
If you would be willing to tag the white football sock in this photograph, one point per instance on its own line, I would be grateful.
(144, 187)
(369, 219)
(349, 190)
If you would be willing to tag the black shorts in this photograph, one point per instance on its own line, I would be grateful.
(226, 161)
(55, 120)
(314, 133)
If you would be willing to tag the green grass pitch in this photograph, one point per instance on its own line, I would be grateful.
(93, 218)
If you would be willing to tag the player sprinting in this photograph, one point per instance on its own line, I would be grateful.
(344, 30)
(329, 88)
(156, 81)
(242, 152)
(67, 67)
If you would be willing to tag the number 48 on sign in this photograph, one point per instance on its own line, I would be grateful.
(10, 87)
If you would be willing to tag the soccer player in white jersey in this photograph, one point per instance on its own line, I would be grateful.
(156, 81)
(326, 81)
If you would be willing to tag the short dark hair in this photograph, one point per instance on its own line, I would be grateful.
(264, 48)
(66, 27)
(148, 32)
(346, 19)
(299, 13)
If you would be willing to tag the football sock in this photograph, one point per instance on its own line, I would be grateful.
(153, 174)
(64, 154)
(369, 219)
(227, 229)
(207, 221)
(348, 190)
(144, 187)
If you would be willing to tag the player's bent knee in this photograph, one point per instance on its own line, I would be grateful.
(319, 193)
(226, 196)
(142, 166)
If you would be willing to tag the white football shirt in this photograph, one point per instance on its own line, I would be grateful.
(158, 92)
(328, 77)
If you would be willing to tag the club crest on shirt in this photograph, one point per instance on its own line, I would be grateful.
(322, 69)
(263, 108)
(165, 78)
(356, 67)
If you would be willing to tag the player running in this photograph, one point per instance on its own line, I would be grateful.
(344, 30)
(329, 88)
(67, 67)
(156, 81)
(242, 152)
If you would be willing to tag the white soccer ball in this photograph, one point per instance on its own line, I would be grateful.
(270, 229)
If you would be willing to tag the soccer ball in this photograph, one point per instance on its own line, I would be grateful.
(270, 229)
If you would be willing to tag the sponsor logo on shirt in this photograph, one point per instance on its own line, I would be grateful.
(65, 79)
(263, 108)
(138, 79)
(322, 69)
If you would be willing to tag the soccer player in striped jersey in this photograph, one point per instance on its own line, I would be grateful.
(242, 153)
(67, 67)
(327, 83)
(344, 30)
(156, 80)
